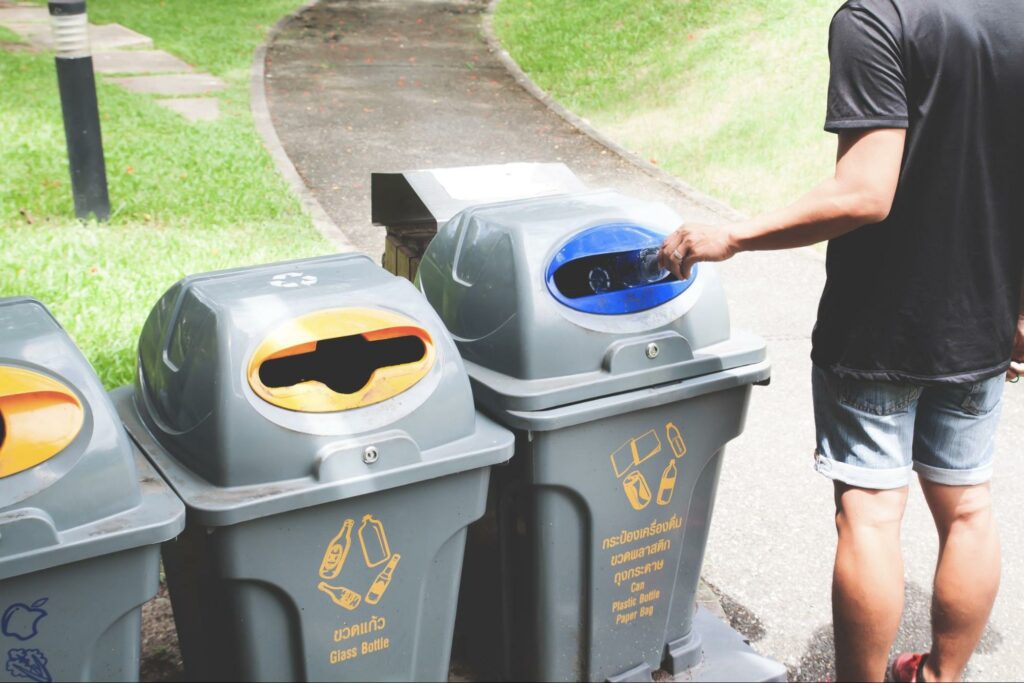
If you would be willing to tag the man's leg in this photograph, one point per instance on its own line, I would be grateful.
(967, 576)
(867, 585)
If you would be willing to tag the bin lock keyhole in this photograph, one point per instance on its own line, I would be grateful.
(371, 455)
(653, 350)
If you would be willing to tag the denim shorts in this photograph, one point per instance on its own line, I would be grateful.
(872, 434)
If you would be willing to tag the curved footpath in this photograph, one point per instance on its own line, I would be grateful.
(355, 86)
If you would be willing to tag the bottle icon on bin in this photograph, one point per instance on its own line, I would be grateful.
(374, 541)
(337, 552)
(341, 596)
(383, 580)
(675, 439)
(668, 483)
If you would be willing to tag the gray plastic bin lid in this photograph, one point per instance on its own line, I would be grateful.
(266, 389)
(491, 273)
(72, 487)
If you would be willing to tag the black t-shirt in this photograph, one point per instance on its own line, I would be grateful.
(931, 294)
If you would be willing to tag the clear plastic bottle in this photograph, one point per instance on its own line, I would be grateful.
(639, 268)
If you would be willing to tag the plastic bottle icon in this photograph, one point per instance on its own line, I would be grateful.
(337, 552)
(374, 541)
(383, 580)
(668, 483)
(638, 268)
(675, 439)
(341, 596)
(637, 490)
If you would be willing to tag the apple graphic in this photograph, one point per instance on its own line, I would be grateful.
(22, 621)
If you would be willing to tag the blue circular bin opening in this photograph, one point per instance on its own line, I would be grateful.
(596, 258)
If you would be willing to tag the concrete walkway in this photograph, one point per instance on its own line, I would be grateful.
(356, 86)
(126, 58)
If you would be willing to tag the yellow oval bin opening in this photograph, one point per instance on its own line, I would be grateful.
(39, 417)
(340, 359)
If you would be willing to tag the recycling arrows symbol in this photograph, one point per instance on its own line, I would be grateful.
(292, 280)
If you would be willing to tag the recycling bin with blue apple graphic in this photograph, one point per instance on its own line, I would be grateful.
(82, 514)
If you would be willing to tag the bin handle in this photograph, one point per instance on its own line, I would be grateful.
(41, 417)
(301, 336)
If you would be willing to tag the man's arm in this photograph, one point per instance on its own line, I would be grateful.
(861, 192)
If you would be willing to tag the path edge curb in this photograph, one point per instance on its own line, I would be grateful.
(260, 110)
(691, 193)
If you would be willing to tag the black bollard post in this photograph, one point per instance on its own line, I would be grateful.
(77, 84)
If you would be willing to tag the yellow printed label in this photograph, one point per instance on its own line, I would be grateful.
(352, 581)
(638, 558)
(41, 417)
(634, 461)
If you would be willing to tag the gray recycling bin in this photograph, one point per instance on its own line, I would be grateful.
(82, 514)
(623, 388)
(317, 420)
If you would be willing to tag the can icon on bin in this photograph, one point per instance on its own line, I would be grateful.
(258, 403)
(637, 490)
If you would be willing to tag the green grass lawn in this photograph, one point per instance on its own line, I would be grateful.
(185, 197)
(728, 95)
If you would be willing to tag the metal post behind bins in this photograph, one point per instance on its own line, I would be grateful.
(77, 84)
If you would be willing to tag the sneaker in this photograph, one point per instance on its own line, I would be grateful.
(908, 667)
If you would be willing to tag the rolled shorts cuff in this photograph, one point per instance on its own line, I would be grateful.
(862, 477)
(946, 477)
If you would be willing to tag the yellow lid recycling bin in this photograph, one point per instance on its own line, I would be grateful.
(82, 514)
(317, 421)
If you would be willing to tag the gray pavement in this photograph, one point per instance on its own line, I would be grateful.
(361, 86)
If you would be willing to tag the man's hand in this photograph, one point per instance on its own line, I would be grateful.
(693, 243)
(1016, 370)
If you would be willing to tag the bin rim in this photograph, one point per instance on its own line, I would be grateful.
(502, 394)
(159, 517)
(585, 411)
(44, 525)
(215, 506)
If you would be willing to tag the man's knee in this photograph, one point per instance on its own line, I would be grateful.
(869, 510)
(967, 508)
